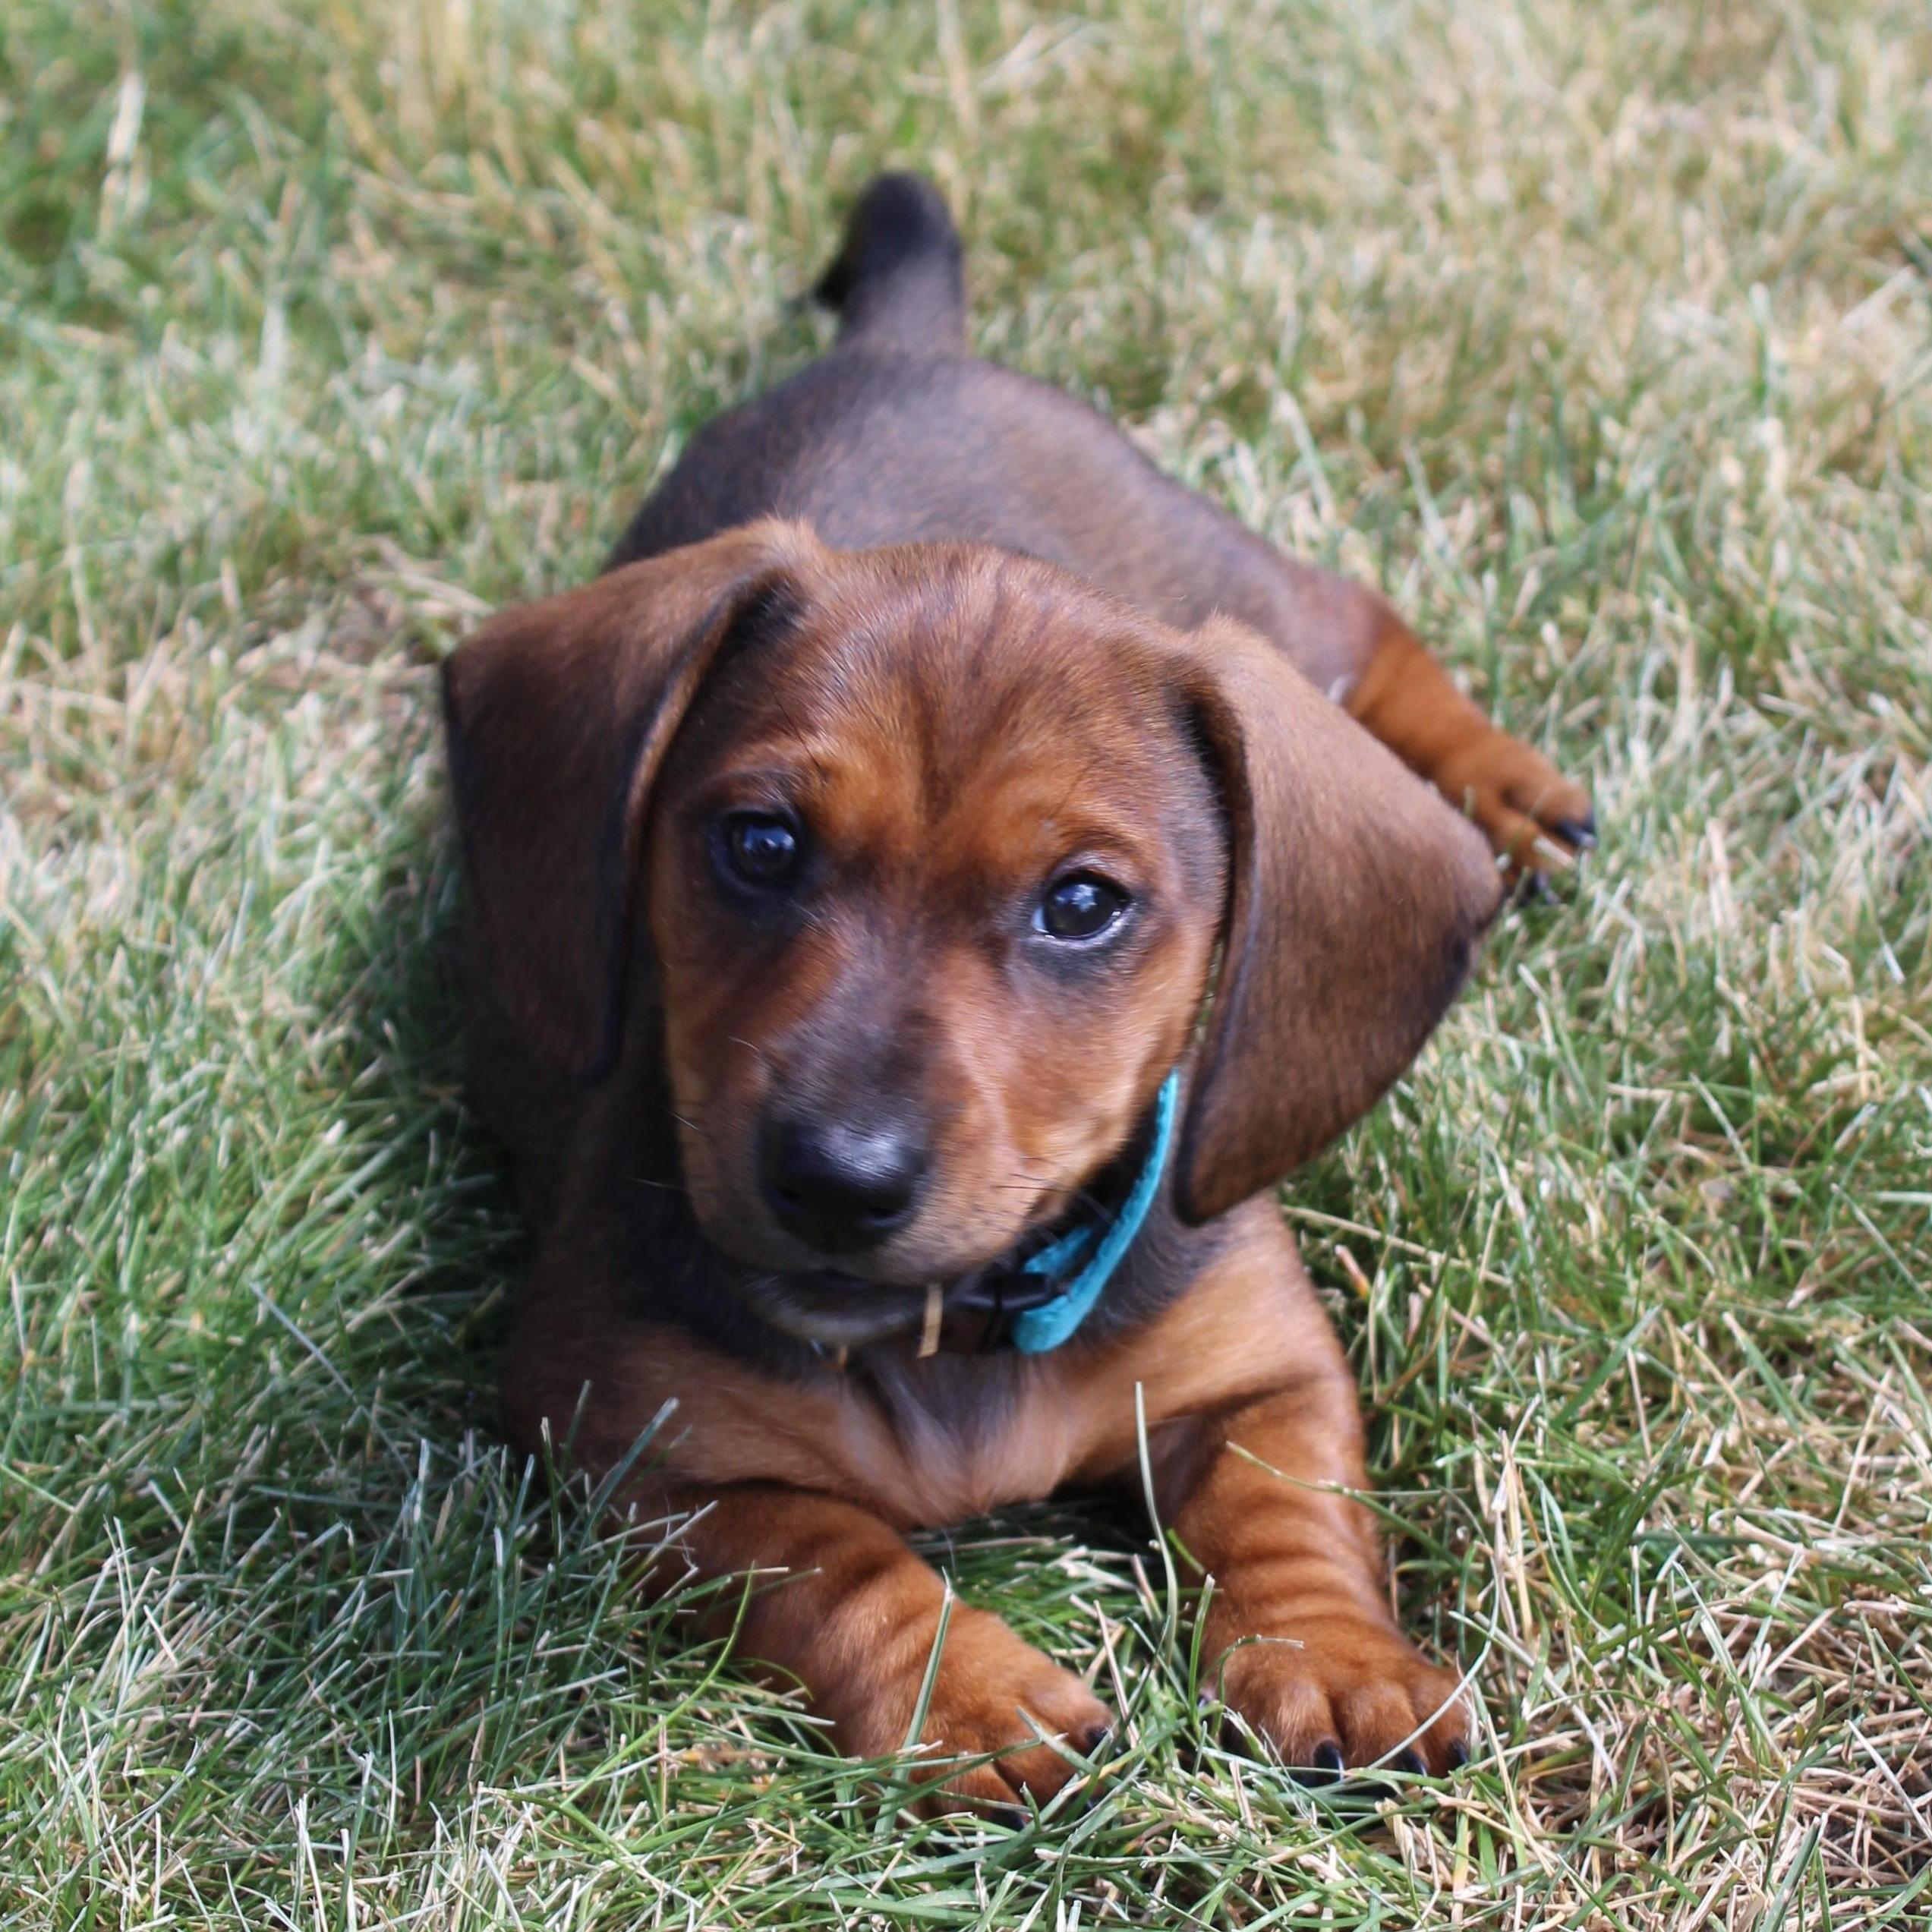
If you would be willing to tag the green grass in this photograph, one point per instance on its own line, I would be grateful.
(1600, 335)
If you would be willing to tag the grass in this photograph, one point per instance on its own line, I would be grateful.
(1599, 336)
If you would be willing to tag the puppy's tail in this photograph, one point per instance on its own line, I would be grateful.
(899, 280)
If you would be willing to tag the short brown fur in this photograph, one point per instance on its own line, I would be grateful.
(949, 725)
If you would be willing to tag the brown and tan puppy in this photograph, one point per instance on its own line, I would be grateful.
(851, 866)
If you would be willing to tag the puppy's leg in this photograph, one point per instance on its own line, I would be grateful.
(1299, 1638)
(841, 1604)
(1532, 815)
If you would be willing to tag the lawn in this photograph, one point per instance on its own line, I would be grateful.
(1598, 336)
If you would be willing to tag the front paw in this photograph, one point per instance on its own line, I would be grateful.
(1534, 817)
(1339, 1692)
(993, 1693)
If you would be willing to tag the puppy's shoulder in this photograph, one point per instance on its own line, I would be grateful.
(1247, 1321)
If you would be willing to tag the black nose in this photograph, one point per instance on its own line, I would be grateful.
(842, 1186)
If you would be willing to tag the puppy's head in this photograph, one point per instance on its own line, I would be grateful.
(933, 849)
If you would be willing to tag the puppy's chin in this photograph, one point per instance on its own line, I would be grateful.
(865, 1299)
(835, 1311)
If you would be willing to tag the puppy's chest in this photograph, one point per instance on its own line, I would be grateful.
(931, 1442)
(923, 1443)
(920, 1444)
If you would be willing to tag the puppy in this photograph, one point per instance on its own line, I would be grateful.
(924, 897)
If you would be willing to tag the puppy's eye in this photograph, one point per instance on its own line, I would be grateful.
(762, 847)
(1082, 906)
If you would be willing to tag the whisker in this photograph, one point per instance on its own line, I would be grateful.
(750, 1046)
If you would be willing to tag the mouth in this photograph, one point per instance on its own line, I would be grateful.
(835, 1310)
(831, 1309)
(841, 1302)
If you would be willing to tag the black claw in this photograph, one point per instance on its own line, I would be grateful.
(1534, 885)
(1013, 1817)
(1581, 833)
(1325, 1764)
(1411, 1762)
(1094, 1739)
(1458, 1754)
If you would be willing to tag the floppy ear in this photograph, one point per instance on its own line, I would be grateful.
(1356, 899)
(559, 714)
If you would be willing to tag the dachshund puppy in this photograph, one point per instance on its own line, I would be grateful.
(924, 896)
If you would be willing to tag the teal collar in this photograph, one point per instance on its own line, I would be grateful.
(1085, 1259)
